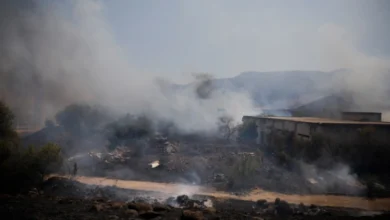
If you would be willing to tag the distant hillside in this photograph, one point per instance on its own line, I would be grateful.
(281, 89)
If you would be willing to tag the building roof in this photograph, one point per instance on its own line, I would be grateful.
(314, 120)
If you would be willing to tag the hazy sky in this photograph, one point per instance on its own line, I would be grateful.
(226, 37)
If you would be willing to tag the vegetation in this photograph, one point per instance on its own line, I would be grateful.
(128, 129)
(82, 120)
(227, 127)
(246, 166)
(22, 168)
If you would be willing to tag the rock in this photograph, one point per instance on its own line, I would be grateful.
(270, 210)
(97, 208)
(113, 217)
(117, 205)
(100, 200)
(301, 208)
(262, 203)
(171, 201)
(182, 200)
(283, 208)
(131, 213)
(65, 201)
(161, 208)
(149, 215)
(33, 193)
(140, 206)
(210, 210)
(191, 215)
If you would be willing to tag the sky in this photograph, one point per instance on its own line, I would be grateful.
(226, 37)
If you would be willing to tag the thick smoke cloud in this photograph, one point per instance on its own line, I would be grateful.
(57, 54)
(365, 77)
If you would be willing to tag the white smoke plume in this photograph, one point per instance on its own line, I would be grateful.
(65, 53)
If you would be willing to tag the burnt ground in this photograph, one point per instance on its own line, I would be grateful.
(245, 166)
(65, 199)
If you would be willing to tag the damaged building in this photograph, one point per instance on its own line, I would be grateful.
(338, 131)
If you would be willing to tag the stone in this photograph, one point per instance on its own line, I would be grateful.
(113, 217)
(131, 213)
(182, 200)
(262, 203)
(210, 210)
(161, 208)
(149, 215)
(283, 208)
(65, 201)
(33, 193)
(270, 210)
(140, 206)
(97, 208)
(191, 215)
(117, 205)
(301, 208)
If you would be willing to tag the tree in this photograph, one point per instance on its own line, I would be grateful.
(82, 120)
(227, 127)
(6, 121)
(8, 136)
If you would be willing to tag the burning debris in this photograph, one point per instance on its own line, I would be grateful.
(154, 164)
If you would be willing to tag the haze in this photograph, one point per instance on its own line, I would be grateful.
(226, 37)
(126, 54)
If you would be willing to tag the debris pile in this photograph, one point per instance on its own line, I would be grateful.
(165, 147)
(282, 208)
(119, 155)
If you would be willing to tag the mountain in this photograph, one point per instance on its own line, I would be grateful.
(280, 89)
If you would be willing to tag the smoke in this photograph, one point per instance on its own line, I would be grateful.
(337, 179)
(365, 77)
(204, 86)
(63, 53)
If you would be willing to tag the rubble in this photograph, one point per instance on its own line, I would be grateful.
(154, 164)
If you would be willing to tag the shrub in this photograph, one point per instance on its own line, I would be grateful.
(82, 120)
(7, 132)
(246, 165)
(22, 168)
(127, 130)
(227, 127)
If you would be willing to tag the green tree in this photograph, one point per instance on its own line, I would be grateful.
(6, 123)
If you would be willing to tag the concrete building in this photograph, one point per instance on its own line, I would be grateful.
(304, 128)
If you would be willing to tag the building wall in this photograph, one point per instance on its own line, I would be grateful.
(336, 133)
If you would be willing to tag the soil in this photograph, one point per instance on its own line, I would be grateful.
(197, 165)
(61, 198)
(253, 195)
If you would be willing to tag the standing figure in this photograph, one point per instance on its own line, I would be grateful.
(74, 169)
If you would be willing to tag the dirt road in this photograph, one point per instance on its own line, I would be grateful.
(176, 189)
